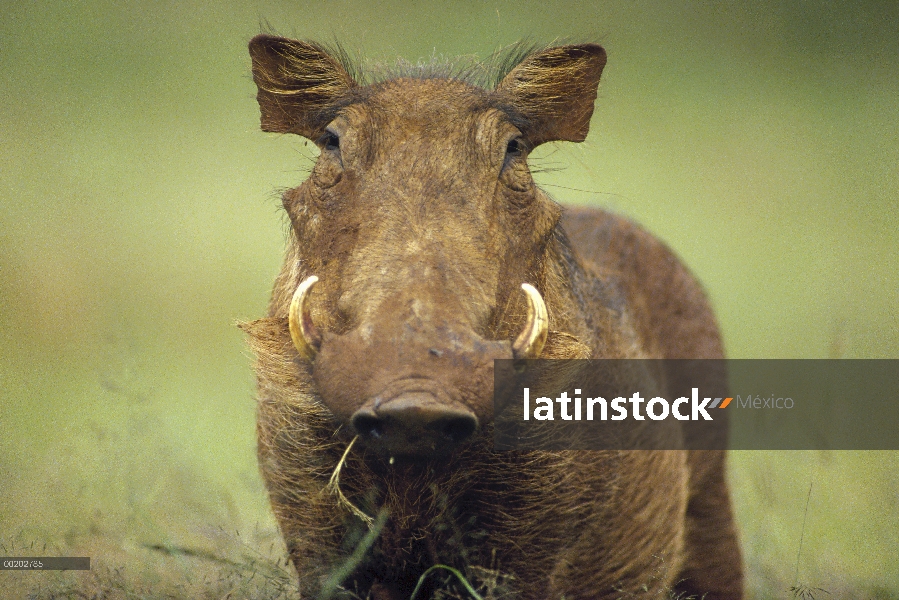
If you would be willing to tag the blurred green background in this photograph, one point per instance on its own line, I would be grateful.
(140, 219)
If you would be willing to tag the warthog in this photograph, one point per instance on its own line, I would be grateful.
(419, 251)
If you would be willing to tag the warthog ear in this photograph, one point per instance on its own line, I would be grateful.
(552, 92)
(297, 82)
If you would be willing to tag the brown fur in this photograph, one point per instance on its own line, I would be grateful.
(421, 225)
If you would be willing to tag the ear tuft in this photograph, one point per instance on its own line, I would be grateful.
(552, 92)
(297, 82)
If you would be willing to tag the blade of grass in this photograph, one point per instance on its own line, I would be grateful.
(455, 572)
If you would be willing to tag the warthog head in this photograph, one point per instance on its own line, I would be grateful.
(419, 244)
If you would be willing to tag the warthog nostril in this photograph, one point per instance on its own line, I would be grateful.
(455, 429)
(367, 424)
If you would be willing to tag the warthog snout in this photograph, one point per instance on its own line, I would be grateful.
(409, 380)
(414, 423)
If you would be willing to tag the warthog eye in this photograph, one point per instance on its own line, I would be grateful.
(515, 149)
(515, 174)
(329, 141)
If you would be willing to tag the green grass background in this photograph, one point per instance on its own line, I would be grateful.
(139, 219)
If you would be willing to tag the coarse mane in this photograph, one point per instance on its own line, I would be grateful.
(485, 74)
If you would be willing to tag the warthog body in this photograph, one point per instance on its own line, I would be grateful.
(421, 222)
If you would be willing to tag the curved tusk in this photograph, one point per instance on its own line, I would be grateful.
(302, 329)
(530, 341)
